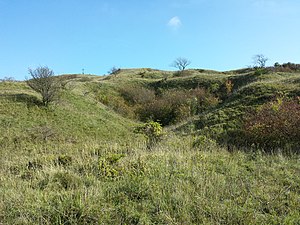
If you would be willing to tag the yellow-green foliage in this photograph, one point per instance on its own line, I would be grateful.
(108, 166)
(153, 131)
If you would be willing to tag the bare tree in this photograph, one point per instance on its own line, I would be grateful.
(43, 82)
(181, 63)
(114, 70)
(260, 61)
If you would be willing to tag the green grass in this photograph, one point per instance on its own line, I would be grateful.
(172, 184)
(79, 162)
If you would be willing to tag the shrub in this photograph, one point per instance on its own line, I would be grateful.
(274, 126)
(181, 73)
(120, 106)
(286, 67)
(108, 166)
(115, 102)
(7, 79)
(171, 107)
(204, 99)
(291, 66)
(163, 106)
(176, 105)
(152, 131)
(158, 110)
(229, 86)
(137, 95)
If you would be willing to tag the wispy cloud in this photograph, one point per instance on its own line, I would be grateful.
(175, 22)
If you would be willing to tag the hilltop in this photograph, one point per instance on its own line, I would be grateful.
(81, 161)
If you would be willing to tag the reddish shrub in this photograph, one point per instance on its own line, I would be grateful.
(275, 126)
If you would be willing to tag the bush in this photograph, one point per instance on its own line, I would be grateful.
(274, 126)
(171, 107)
(115, 102)
(7, 79)
(120, 106)
(176, 105)
(165, 106)
(109, 167)
(137, 95)
(285, 67)
(152, 131)
(204, 99)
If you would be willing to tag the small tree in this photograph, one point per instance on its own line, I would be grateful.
(114, 70)
(260, 61)
(43, 82)
(181, 63)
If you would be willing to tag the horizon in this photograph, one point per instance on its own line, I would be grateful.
(68, 36)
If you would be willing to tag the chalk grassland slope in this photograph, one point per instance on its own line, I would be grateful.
(249, 90)
(76, 115)
(79, 162)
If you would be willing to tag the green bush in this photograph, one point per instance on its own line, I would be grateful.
(109, 167)
(153, 131)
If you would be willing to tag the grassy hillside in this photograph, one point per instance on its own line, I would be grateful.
(76, 115)
(79, 161)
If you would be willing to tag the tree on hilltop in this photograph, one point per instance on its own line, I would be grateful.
(260, 61)
(181, 63)
(43, 82)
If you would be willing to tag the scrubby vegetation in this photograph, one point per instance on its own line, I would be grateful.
(144, 146)
(275, 125)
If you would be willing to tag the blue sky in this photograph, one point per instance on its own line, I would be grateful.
(69, 35)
